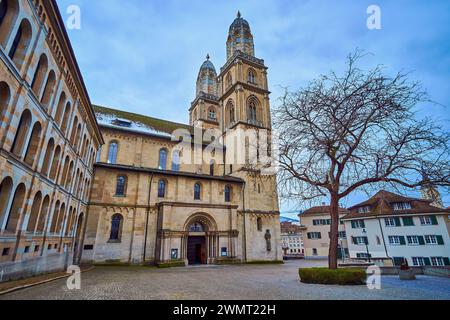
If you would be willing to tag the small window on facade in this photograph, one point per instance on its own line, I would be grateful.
(162, 159)
(161, 189)
(251, 76)
(212, 114)
(197, 191)
(121, 185)
(227, 194)
(211, 168)
(259, 224)
(112, 152)
(116, 227)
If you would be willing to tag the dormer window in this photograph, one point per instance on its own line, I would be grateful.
(364, 209)
(122, 123)
(401, 206)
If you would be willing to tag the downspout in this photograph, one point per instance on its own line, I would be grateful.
(244, 236)
(147, 218)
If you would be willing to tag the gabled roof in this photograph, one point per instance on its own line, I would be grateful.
(381, 204)
(321, 210)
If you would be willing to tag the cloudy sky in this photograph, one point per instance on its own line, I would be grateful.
(144, 56)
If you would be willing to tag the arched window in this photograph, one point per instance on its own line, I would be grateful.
(19, 48)
(121, 185)
(55, 163)
(230, 113)
(259, 224)
(252, 109)
(43, 214)
(48, 91)
(229, 80)
(60, 108)
(116, 227)
(16, 208)
(77, 137)
(176, 160)
(65, 120)
(69, 176)
(197, 191)
(212, 114)
(99, 154)
(9, 10)
(22, 133)
(197, 227)
(74, 130)
(65, 171)
(251, 76)
(227, 194)
(34, 212)
(162, 189)
(33, 145)
(48, 157)
(55, 217)
(39, 75)
(61, 219)
(112, 152)
(5, 194)
(5, 95)
(162, 159)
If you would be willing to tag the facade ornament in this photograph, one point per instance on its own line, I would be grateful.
(268, 238)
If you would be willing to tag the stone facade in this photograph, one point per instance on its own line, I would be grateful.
(48, 142)
(232, 217)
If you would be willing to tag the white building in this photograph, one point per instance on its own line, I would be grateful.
(392, 229)
(292, 239)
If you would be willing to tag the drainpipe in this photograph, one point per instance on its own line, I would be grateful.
(147, 218)
(244, 236)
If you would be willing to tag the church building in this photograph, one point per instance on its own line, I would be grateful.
(147, 205)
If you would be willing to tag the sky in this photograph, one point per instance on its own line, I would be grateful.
(144, 56)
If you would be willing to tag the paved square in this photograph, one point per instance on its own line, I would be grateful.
(250, 282)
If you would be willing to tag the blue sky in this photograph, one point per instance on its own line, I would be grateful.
(144, 56)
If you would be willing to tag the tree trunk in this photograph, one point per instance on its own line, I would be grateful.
(334, 234)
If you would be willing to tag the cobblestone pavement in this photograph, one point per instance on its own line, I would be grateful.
(251, 282)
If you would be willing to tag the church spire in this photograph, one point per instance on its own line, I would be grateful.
(430, 192)
(240, 37)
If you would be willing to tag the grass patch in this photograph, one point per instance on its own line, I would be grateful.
(265, 262)
(346, 276)
(171, 264)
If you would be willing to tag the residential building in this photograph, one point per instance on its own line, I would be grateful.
(317, 221)
(392, 229)
(292, 239)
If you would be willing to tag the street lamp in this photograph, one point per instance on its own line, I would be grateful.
(367, 244)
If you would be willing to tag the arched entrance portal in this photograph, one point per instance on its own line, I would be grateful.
(196, 246)
(200, 241)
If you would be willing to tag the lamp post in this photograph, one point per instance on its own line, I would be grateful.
(367, 244)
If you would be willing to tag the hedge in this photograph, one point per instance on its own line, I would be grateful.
(172, 264)
(347, 276)
(265, 262)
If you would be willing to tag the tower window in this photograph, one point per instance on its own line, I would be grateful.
(227, 194)
(112, 152)
(197, 191)
(176, 161)
(251, 76)
(161, 189)
(212, 114)
(116, 227)
(121, 185)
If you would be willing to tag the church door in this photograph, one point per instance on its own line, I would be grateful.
(196, 251)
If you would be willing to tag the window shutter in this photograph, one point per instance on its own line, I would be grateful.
(433, 220)
(353, 240)
(408, 221)
(440, 240)
(397, 222)
(421, 240)
(402, 240)
(353, 225)
(320, 235)
(447, 261)
(363, 224)
(309, 235)
(366, 240)
(427, 261)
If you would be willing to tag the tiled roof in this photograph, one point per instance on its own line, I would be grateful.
(321, 210)
(288, 227)
(381, 204)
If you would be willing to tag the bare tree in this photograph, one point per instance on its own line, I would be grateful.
(357, 131)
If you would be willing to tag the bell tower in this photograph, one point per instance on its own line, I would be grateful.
(205, 109)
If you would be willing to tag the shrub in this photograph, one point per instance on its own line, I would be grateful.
(265, 262)
(172, 264)
(346, 276)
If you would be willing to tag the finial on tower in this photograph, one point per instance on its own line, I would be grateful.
(207, 56)
(239, 14)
